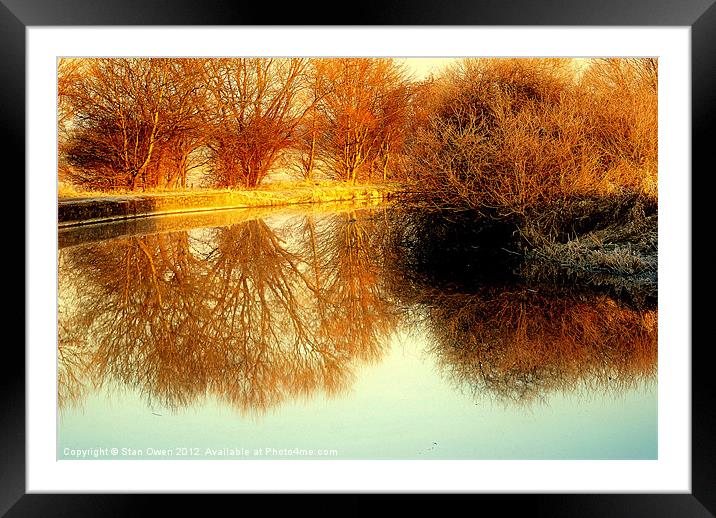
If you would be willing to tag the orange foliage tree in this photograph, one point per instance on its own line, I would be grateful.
(361, 117)
(135, 121)
(255, 110)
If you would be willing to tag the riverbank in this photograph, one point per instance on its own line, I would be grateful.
(73, 235)
(85, 208)
(606, 244)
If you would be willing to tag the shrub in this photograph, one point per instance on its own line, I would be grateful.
(516, 132)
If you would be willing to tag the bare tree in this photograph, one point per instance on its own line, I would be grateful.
(358, 117)
(305, 143)
(256, 108)
(130, 116)
(68, 73)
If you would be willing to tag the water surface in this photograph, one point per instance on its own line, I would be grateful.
(311, 334)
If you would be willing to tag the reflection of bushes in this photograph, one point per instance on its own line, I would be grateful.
(450, 248)
(232, 312)
(520, 344)
(499, 326)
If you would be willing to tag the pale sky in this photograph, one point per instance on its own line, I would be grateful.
(422, 67)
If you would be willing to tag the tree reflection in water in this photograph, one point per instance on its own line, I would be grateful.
(240, 313)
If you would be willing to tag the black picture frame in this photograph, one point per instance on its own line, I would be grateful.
(699, 15)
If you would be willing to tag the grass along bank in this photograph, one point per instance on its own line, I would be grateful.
(76, 208)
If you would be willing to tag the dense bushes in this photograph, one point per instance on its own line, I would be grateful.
(515, 132)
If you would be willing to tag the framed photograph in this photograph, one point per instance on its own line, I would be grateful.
(247, 347)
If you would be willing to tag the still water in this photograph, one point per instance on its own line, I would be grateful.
(283, 334)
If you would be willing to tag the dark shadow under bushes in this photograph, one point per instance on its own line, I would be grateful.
(606, 244)
(461, 247)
